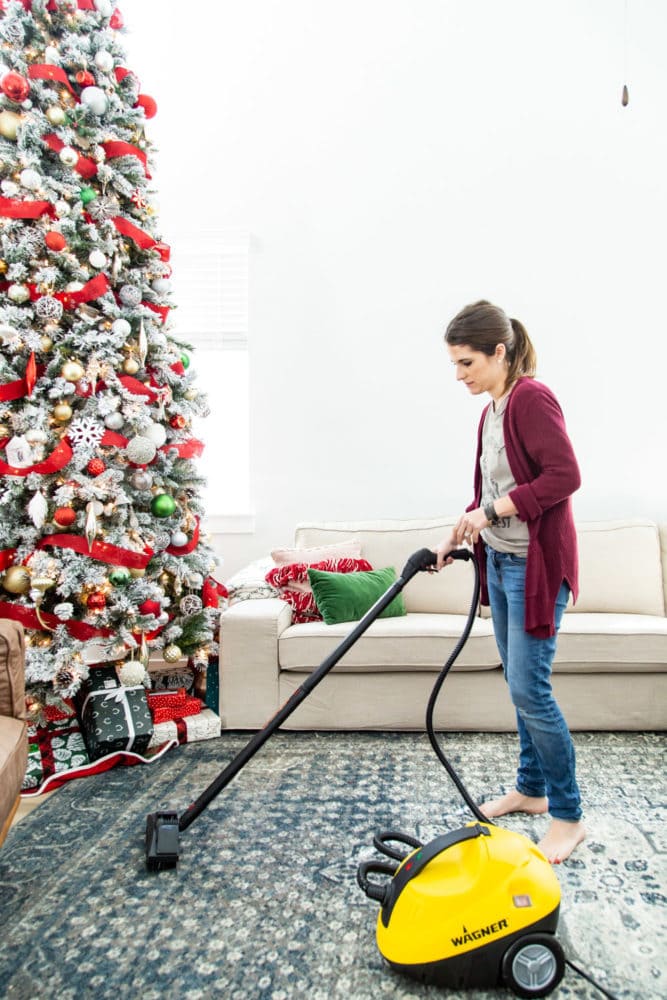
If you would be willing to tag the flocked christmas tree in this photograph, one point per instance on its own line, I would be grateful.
(100, 543)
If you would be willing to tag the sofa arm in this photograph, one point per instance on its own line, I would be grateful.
(12, 669)
(249, 634)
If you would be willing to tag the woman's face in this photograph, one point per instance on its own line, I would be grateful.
(478, 371)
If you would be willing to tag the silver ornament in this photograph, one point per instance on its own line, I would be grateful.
(130, 295)
(156, 433)
(194, 580)
(161, 541)
(114, 421)
(121, 328)
(142, 480)
(68, 156)
(18, 293)
(191, 604)
(95, 99)
(140, 450)
(179, 539)
(47, 307)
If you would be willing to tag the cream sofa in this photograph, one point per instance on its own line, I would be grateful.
(610, 670)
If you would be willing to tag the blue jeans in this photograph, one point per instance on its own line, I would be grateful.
(546, 761)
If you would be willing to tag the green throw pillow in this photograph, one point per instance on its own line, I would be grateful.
(346, 597)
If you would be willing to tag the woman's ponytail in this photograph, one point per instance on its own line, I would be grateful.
(521, 356)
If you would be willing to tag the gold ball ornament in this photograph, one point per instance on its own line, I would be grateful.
(137, 573)
(131, 366)
(3, 267)
(172, 653)
(16, 580)
(45, 343)
(72, 371)
(9, 123)
(62, 412)
(56, 114)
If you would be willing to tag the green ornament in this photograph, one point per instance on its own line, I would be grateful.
(185, 360)
(120, 576)
(87, 195)
(163, 505)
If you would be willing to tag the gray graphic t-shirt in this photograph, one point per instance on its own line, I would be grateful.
(511, 534)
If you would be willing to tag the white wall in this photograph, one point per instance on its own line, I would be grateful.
(394, 160)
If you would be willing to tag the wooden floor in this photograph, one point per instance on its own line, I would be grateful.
(27, 804)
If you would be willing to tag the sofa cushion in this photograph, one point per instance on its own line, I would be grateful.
(611, 643)
(346, 597)
(411, 643)
(390, 543)
(620, 569)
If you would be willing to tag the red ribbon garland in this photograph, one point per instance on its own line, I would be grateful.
(13, 208)
(28, 618)
(46, 71)
(115, 148)
(20, 388)
(212, 591)
(92, 289)
(84, 166)
(184, 550)
(57, 460)
(114, 555)
(7, 557)
(126, 228)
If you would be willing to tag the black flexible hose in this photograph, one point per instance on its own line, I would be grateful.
(430, 708)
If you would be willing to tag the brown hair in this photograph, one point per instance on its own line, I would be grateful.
(482, 326)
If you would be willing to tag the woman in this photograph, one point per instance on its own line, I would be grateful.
(520, 524)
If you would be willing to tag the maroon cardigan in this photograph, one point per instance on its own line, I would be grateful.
(546, 472)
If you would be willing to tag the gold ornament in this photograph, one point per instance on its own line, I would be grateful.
(45, 343)
(55, 114)
(9, 123)
(172, 653)
(16, 580)
(72, 371)
(4, 431)
(164, 580)
(131, 366)
(62, 412)
(3, 267)
(136, 574)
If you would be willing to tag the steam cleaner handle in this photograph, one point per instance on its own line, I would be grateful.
(425, 558)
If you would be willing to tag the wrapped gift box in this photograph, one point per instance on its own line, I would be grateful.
(113, 717)
(168, 705)
(52, 749)
(204, 726)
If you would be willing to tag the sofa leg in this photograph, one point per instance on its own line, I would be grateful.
(8, 822)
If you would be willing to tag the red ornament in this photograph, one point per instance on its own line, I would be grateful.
(150, 608)
(55, 240)
(96, 467)
(148, 103)
(96, 601)
(178, 421)
(116, 21)
(85, 78)
(64, 516)
(15, 87)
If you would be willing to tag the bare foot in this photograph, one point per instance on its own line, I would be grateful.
(514, 802)
(561, 839)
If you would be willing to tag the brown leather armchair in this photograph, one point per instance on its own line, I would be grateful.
(13, 742)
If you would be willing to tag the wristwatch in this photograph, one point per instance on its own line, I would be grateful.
(490, 514)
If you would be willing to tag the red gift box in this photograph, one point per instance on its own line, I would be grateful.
(165, 706)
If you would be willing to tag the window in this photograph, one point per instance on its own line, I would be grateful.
(210, 281)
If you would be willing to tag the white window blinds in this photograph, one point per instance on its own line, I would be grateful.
(210, 278)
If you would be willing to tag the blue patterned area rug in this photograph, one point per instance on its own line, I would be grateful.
(264, 903)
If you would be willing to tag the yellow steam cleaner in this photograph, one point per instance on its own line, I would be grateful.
(476, 907)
